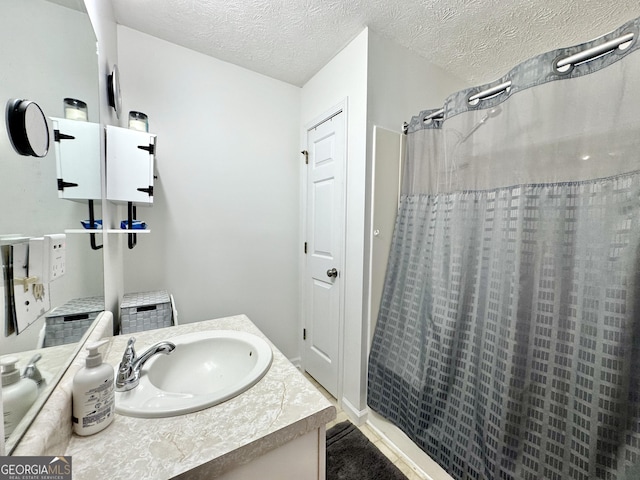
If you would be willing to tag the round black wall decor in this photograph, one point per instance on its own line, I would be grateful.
(113, 90)
(27, 128)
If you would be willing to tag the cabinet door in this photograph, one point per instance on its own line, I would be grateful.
(77, 147)
(130, 165)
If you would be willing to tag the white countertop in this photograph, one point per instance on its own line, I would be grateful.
(282, 406)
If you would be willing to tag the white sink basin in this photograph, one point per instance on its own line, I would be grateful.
(206, 368)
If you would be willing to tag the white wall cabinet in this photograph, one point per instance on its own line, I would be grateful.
(77, 148)
(130, 165)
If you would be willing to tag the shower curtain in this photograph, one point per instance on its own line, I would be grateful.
(508, 340)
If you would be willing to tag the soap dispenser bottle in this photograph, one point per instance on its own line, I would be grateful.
(18, 394)
(93, 394)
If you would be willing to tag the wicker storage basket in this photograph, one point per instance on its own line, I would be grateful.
(145, 311)
(67, 323)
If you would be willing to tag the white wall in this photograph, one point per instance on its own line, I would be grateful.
(402, 83)
(345, 76)
(224, 224)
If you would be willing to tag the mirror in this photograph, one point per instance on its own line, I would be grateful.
(48, 54)
(27, 128)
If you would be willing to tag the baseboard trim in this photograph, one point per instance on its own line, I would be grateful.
(297, 362)
(421, 462)
(394, 448)
(358, 417)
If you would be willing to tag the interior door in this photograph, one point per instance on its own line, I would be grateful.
(325, 243)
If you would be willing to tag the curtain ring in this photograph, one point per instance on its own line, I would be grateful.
(565, 69)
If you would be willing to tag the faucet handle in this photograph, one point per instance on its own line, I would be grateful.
(126, 378)
(34, 359)
(129, 352)
(32, 372)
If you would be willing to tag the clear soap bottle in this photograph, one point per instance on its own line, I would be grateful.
(93, 394)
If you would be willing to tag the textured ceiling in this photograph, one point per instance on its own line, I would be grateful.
(476, 40)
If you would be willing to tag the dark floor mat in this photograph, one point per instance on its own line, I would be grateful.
(351, 456)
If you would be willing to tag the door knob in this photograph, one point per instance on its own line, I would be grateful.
(332, 273)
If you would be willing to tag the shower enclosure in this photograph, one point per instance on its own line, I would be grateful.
(508, 340)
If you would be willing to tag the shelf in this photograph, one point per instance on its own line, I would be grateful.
(12, 239)
(83, 230)
(120, 230)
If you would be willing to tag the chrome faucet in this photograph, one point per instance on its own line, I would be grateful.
(129, 369)
(32, 372)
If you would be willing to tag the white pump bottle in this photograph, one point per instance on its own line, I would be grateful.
(93, 394)
(18, 394)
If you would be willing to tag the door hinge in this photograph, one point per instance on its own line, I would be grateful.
(304, 333)
(148, 191)
(151, 148)
(57, 136)
(62, 184)
(305, 247)
(306, 156)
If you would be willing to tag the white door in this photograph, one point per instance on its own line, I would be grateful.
(325, 241)
(77, 147)
(130, 158)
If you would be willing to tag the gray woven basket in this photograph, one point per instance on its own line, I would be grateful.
(145, 311)
(68, 323)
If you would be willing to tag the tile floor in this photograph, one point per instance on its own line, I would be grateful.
(389, 450)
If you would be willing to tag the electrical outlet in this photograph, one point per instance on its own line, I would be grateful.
(47, 257)
(55, 251)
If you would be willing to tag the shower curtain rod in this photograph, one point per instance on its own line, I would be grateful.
(595, 52)
(561, 65)
(435, 115)
(474, 99)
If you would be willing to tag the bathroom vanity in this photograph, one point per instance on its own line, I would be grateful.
(274, 430)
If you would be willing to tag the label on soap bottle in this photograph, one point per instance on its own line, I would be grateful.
(9, 422)
(96, 405)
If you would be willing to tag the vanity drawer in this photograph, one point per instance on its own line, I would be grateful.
(145, 311)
